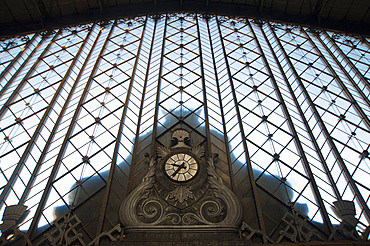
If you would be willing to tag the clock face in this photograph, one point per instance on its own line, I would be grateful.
(181, 167)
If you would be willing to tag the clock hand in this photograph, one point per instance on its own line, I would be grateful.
(178, 169)
(177, 165)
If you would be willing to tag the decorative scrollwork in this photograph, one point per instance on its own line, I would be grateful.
(148, 205)
(181, 135)
(156, 17)
(181, 194)
(198, 151)
(12, 217)
(109, 234)
(297, 228)
(140, 19)
(248, 232)
(163, 151)
(233, 213)
(174, 218)
(104, 23)
(222, 19)
(213, 211)
(47, 33)
(191, 218)
(65, 232)
(206, 16)
(259, 22)
(140, 192)
(347, 212)
(150, 211)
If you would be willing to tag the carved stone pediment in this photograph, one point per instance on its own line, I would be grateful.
(181, 190)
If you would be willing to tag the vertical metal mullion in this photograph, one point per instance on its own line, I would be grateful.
(338, 80)
(6, 86)
(222, 110)
(325, 131)
(251, 175)
(358, 73)
(141, 110)
(153, 147)
(30, 71)
(3, 73)
(40, 126)
(56, 125)
(305, 122)
(65, 141)
(204, 89)
(301, 151)
(118, 140)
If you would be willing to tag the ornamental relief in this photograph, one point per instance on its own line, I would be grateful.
(181, 188)
(155, 211)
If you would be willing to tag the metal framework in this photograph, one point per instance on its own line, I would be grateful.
(286, 108)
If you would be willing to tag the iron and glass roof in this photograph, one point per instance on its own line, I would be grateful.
(285, 107)
(19, 16)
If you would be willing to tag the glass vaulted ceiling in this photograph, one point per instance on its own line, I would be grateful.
(285, 107)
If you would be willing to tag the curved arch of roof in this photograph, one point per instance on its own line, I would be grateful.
(24, 18)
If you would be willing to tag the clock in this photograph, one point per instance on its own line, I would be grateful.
(181, 167)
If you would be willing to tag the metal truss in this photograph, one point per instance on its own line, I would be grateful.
(286, 108)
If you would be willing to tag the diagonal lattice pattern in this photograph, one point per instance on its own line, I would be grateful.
(286, 108)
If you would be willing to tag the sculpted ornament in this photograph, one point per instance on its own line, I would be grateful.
(12, 217)
(198, 151)
(181, 190)
(181, 194)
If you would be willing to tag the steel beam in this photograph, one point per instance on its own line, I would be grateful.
(55, 128)
(204, 88)
(227, 149)
(354, 68)
(298, 144)
(338, 80)
(136, 144)
(66, 137)
(31, 143)
(118, 140)
(249, 164)
(325, 131)
(305, 122)
(25, 78)
(154, 136)
(15, 60)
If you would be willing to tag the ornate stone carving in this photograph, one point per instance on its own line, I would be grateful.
(198, 151)
(297, 228)
(181, 135)
(144, 206)
(128, 208)
(163, 151)
(65, 231)
(200, 203)
(220, 191)
(109, 234)
(247, 232)
(347, 212)
(12, 217)
(180, 194)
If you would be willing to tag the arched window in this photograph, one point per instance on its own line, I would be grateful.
(286, 108)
